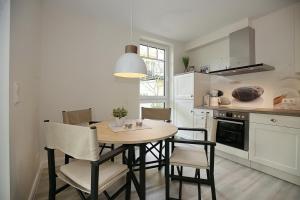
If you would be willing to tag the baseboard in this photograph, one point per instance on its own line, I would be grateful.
(35, 183)
(43, 165)
(233, 158)
(276, 173)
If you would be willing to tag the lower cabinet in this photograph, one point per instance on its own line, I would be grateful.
(275, 146)
(187, 116)
(203, 119)
(184, 117)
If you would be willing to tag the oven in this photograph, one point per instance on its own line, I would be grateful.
(232, 129)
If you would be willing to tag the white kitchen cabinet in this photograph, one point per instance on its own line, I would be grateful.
(297, 37)
(274, 145)
(184, 86)
(192, 86)
(202, 119)
(184, 117)
(189, 89)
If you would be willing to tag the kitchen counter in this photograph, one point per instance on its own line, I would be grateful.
(271, 111)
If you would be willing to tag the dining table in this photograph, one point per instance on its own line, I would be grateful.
(154, 130)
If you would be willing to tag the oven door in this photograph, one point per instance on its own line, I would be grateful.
(231, 133)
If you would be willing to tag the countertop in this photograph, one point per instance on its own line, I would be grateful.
(271, 111)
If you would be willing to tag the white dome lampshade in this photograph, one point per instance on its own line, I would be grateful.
(130, 64)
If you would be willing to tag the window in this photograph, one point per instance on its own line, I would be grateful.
(154, 87)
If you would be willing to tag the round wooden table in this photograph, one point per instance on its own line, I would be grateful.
(158, 130)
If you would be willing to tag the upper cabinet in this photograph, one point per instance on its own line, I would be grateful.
(297, 37)
(191, 86)
(184, 86)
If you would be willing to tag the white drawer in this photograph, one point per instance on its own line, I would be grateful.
(203, 112)
(276, 120)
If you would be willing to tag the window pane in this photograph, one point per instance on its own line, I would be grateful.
(152, 105)
(153, 84)
(152, 52)
(152, 88)
(161, 54)
(143, 51)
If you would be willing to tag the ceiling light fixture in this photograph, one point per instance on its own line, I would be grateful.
(130, 64)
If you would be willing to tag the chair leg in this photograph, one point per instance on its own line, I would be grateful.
(94, 181)
(52, 175)
(196, 173)
(180, 173)
(199, 185)
(172, 170)
(213, 189)
(112, 148)
(160, 155)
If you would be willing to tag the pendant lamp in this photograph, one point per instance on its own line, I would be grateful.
(130, 64)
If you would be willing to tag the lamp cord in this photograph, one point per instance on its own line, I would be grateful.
(131, 20)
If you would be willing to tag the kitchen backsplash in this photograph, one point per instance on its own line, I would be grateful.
(264, 87)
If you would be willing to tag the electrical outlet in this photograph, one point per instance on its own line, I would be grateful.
(291, 101)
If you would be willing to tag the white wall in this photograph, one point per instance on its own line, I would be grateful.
(273, 45)
(4, 100)
(79, 51)
(25, 64)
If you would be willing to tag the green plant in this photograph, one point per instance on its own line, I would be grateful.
(186, 61)
(120, 112)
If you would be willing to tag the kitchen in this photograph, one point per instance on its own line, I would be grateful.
(82, 116)
(249, 94)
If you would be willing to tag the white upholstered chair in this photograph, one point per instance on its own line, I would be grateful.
(82, 117)
(194, 157)
(156, 148)
(88, 173)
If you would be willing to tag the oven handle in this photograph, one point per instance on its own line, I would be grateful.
(232, 122)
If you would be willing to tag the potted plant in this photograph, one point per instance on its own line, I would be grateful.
(120, 114)
(186, 61)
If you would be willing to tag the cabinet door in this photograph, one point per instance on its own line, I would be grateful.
(203, 119)
(297, 37)
(184, 114)
(184, 86)
(276, 147)
(199, 122)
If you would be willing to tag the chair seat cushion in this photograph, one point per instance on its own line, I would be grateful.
(189, 158)
(79, 173)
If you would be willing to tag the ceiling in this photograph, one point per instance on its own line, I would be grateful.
(181, 20)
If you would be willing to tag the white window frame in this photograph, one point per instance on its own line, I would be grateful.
(159, 99)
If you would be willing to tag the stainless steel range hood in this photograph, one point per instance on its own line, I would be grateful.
(242, 54)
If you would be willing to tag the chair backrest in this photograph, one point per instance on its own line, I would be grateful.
(156, 113)
(77, 141)
(77, 116)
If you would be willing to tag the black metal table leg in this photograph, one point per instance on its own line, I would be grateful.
(142, 171)
(129, 176)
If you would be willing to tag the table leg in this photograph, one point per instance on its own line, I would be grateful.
(143, 171)
(167, 180)
(128, 178)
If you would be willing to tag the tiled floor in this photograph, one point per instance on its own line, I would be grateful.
(233, 182)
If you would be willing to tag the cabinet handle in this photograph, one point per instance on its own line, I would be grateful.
(192, 96)
(273, 120)
(192, 111)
